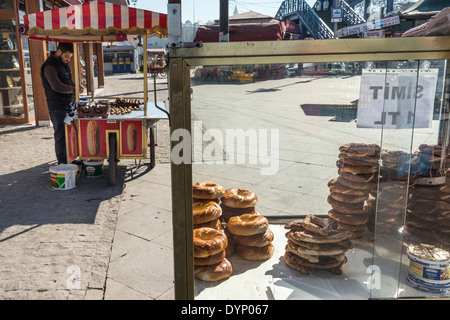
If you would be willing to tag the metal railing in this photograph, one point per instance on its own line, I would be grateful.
(309, 18)
(349, 16)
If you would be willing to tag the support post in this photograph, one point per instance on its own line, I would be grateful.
(38, 50)
(76, 77)
(181, 173)
(223, 27)
(145, 76)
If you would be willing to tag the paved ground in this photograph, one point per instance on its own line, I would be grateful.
(58, 244)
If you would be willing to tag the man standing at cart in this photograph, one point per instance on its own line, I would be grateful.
(60, 93)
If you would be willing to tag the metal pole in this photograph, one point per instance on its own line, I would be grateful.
(335, 24)
(75, 73)
(174, 22)
(223, 28)
(145, 76)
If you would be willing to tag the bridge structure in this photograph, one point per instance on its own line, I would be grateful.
(316, 22)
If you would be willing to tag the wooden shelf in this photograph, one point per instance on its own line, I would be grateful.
(11, 88)
(12, 106)
(9, 51)
(10, 69)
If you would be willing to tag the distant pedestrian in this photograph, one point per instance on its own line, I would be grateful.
(60, 92)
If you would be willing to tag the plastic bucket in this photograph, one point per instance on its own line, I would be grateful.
(430, 286)
(93, 169)
(426, 274)
(64, 176)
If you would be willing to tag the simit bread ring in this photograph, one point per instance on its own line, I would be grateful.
(433, 148)
(208, 241)
(363, 177)
(255, 253)
(239, 198)
(306, 236)
(352, 219)
(444, 188)
(207, 190)
(351, 228)
(443, 222)
(296, 238)
(391, 158)
(248, 224)
(317, 225)
(331, 251)
(356, 169)
(419, 223)
(291, 261)
(205, 211)
(348, 199)
(442, 205)
(325, 262)
(256, 240)
(360, 149)
(358, 161)
(356, 185)
(348, 208)
(228, 212)
(335, 186)
(214, 259)
(214, 272)
(317, 258)
(215, 224)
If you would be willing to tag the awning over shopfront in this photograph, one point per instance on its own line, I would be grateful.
(95, 21)
(242, 32)
(424, 9)
(439, 25)
(249, 26)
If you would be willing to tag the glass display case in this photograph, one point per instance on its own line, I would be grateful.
(342, 145)
(10, 74)
(15, 73)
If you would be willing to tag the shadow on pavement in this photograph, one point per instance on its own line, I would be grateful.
(27, 198)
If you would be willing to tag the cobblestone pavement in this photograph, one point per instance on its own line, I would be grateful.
(48, 238)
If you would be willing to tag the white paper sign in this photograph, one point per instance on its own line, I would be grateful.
(396, 98)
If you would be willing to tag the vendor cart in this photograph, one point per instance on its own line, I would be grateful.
(99, 133)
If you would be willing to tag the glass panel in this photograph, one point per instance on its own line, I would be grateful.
(11, 99)
(410, 205)
(28, 79)
(27, 69)
(336, 140)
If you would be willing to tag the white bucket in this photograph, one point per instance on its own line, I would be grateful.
(64, 176)
(429, 268)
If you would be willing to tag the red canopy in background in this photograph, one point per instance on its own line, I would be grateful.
(269, 31)
(94, 21)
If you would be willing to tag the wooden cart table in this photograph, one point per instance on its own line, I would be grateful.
(114, 138)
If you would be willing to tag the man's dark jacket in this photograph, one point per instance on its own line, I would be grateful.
(56, 100)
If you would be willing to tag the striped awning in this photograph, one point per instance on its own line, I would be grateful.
(95, 21)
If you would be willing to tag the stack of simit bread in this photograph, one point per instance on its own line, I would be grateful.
(434, 158)
(358, 175)
(433, 223)
(421, 216)
(210, 240)
(316, 243)
(393, 196)
(246, 226)
(442, 233)
(429, 218)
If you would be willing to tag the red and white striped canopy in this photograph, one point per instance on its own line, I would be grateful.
(95, 21)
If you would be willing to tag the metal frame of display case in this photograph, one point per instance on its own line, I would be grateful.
(243, 53)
